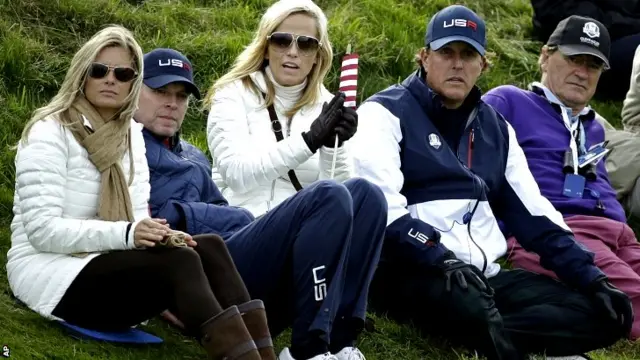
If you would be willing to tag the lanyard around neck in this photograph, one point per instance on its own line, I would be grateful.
(574, 136)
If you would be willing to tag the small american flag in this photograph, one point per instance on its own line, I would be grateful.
(348, 86)
(349, 78)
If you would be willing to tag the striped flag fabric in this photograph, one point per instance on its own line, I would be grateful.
(349, 79)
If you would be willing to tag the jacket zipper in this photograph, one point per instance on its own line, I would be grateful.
(472, 116)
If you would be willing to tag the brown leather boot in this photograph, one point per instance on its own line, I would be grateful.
(225, 336)
(255, 318)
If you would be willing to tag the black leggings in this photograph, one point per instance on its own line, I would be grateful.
(120, 289)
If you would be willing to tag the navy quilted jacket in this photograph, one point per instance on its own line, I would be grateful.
(183, 192)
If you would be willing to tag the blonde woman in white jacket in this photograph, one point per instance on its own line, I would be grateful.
(83, 247)
(271, 132)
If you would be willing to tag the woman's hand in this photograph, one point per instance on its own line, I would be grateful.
(149, 231)
(347, 125)
(322, 128)
(188, 239)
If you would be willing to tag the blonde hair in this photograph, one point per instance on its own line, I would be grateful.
(252, 59)
(76, 76)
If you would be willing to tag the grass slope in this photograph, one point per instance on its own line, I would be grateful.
(39, 37)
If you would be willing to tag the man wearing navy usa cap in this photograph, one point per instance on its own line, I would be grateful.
(294, 258)
(165, 66)
(164, 99)
(449, 165)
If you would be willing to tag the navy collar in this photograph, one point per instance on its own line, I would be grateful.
(171, 143)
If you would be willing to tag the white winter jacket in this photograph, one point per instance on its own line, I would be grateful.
(249, 165)
(55, 209)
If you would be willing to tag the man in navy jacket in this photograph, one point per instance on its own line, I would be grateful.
(310, 259)
(448, 165)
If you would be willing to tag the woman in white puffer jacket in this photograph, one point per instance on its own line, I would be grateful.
(250, 165)
(83, 247)
(272, 122)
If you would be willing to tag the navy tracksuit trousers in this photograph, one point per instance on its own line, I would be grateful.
(311, 260)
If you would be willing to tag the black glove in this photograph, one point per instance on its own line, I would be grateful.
(346, 127)
(322, 128)
(614, 303)
(457, 272)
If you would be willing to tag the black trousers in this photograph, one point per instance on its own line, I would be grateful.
(120, 289)
(529, 313)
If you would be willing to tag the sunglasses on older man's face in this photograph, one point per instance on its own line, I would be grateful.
(281, 41)
(121, 73)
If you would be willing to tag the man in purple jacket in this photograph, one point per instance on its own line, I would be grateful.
(555, 126)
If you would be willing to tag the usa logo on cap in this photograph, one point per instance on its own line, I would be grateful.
(174, 62)
(456, 23)
(461, 23)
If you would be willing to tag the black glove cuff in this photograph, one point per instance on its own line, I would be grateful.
(449, 255)
(598, 283)
(309, 143)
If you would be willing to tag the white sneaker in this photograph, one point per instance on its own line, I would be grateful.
(285, 354)
(350, 353)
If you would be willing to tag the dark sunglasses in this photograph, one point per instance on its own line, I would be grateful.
(592, 62)
(121, 73)
(281, 41)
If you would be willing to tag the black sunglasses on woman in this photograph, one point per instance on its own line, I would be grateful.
(121, 73)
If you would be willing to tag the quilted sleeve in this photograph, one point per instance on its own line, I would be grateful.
(41, 176)
(244, 166)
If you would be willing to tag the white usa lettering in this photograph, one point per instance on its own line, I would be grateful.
(418, 236)
(171, 62)
(460, 23)
(320, 285)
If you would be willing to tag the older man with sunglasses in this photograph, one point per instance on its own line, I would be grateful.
(294, 257)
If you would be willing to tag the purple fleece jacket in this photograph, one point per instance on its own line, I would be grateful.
(544, 138)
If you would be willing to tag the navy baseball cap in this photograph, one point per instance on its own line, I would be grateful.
(579, 35)
(456, 23)
(165, 66)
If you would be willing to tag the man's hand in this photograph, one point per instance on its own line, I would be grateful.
(457, 272)
(613, 302)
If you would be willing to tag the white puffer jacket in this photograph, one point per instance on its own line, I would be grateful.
(55, 207)
(249, 165)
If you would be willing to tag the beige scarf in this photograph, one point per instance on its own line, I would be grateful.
(106, 143)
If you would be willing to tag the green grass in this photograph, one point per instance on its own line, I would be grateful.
(38, 39)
